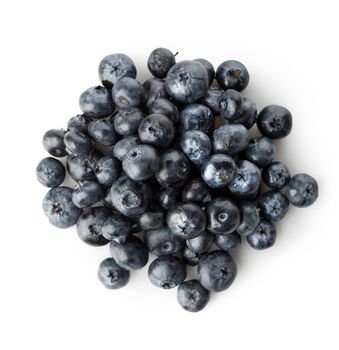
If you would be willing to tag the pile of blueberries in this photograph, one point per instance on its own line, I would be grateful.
(169, 168)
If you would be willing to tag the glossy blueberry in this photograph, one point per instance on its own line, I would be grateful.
(166, 107)
(230, 105)
(167, 272)
(232, 75)
(276, 175)
(202, 243)
(162, 241)
(209, 68)
(141, 162)
(196, 191)
(223, 216)
(218, 170)
(77, 143)
(102, 132)
(79, 123)
(127, 120)
(151, 220)
(263, 236)
(111, 275)
(107, 170)
(116, 228)
(249, 218)
(260, 151)
(216, 270)
(273, 205)
(127, 92)
(87, 193)
(59, 208)
(186, 220)
(189, 257)
(275, 122)
(228, 242)
(50, 172)
(187, 81)
(156, 130)
(122, 147)
(130, 255)
(114, 67)
(196, 117)
(160, 61)
(168, 196)
(192, 296)
(196, 145)
(96, 102)
(90, 224)
(230, 139)
(302, 190)
(249, 113)
(53, 142)
(154, 89)
(212, 98)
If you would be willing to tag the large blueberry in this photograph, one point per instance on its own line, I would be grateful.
(232, 75)
(96, 102)
(50, 172)
(111, 275)
(192, 296)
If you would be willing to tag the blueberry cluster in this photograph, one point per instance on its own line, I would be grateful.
(169, 167)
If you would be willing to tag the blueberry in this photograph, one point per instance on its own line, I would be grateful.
(127, 92)
(276, 175)
(131, 198)
(111, 275)
(209, 68)
(156, 130)
(116, 228)
(196, 191)
(77, 142)
(212, 98)
(230, 139)
(154, 89)
(107, 170)
(189, 257)
(302, 190)
(263, 236)
(50, 172)
(166, 107)
(127, 120)
(53, 142)
(192, 296)
(162, 241)
(141, 162)
(223, 216)
(246, 181)
(249, 218)
(218, 170)
(87, 193)
(160, 61)
(202, 243)
(102, 132)
(174, 168)
(228, 242)
(79, 123)
(216, 271)
(249, 113)
(232, 75)
(90, 224)
(168, 196)
(114, 67)
(59, 208)
(167, 272)
(273, 205)
(196, 145)
(122, 147)
(187, 81)
(260, 151)
(230, 105)
(130, 255)
(151, 220)
(196, 117)
(96, 102)
(275, 122)
(186, 220)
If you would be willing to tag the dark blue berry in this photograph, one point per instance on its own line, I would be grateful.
(249, 218)
(249, 113)
(166, 107)
(209, 68)
(79, 123)
(202, 243)
(102, 132)
(276, 175)
(127, 92)
(127, 120)
(50, 172)
(154, 89)
(196, 117)
(263, 236)
(122, 147)
(232, 75)
(151, 220)
(228, 242)
(212, 98)
(260, 151)
(77, 143)
(53, 142)
(273, 205)
(117, 228)
(196, 191)
(111, 275)
(87, 193)
(196, 145)
(107, 170)
(230, 105)
(192, 296)
(168, 196)
(96, 102)
(160, 61)
(189, 257)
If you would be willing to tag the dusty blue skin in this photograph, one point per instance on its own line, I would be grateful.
(111, 275)
(273, 205)
(230, 139)
(107, 170)
(228, 242)
(130, 255)
(246, 181)
(53, 142)
(50, 172)
(127, 120)
(230, 105)
(154, 89)
(59, 208)
(174, 168)
(167, 272)
(168, 196)
(232, 75)
(276, 175)
(263, 236)
(202, 243)
(302, 190)
(122, 147)
(160, 61)
(249, 113)
(156, 130)
(260, 151)
(90, 224)
(187, 82)
(249, 218)
(166, 107)
(162, 241)
(189, 257)
(117, 228)
(129, 197)
(218, 170)
(211, 99)
(275, 122)
(209, 68)
(196, 117)
(192, 296)
(196, 145)
(223, 216)
(96, 102)
(102, 132)
(77, 143)
(186, 220)
(216, 271)
(127, 92)
(114, 67)
(141, 162)
(196, 191)
(87, 193)
(79, 122)
(151, 220)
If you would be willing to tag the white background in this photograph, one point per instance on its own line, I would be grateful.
(283, 298)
